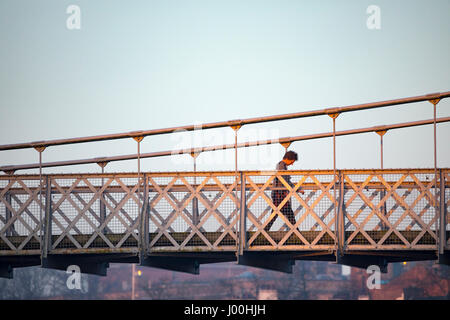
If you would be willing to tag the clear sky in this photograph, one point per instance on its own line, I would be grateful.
(139, 65)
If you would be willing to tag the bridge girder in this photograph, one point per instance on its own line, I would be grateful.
(269, 261)
(9, 263)
(97, 264)
(185, 262)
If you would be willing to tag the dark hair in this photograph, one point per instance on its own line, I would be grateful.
(291, 155)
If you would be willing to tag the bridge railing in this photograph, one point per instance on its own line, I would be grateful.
(313, 226)
(391, 210)
(21, 206)
(221, 211)
(193, 212)
(445, 208)
(376, 209)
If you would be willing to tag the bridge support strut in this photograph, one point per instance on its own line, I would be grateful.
(87, 265)
(261, 260)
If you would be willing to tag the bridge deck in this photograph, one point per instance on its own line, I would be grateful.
(228, 243)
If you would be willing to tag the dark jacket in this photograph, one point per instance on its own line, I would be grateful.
(276, 182)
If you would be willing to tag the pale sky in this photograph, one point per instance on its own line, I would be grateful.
(140, 65)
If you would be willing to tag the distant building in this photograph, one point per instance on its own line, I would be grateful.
(419, 282)
(266, 294)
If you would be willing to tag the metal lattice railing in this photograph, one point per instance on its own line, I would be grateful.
(445, 174)
(313, 213)
(391, 210)
(193, 212)
(221, 211)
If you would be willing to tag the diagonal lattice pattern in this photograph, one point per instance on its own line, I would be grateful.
(377, 209)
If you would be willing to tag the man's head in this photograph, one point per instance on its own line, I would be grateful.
(290, 157)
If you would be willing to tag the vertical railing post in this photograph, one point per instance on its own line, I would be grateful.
(435, 204)
(381, 133)
(442, 214)
(8, 215)
(236, 125)
(340, 223)
(10, 231)
(138, 139)
(242, 218)
(334, 115)
(195, 215)
(47, 226)
(102, 165)
(143, 223)
(236, 128)
(40, 149)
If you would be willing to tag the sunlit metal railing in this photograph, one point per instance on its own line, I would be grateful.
(377, 210)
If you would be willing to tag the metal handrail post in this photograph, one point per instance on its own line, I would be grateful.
(435, 202)
(442, 214)
(102, 204)
(195, 215)
(381, 133)
(40, 149)
(144, 223)
(8, 215)
(334, 116)
(242, 217)
(340, 219)
(236, 127)
(47, 238)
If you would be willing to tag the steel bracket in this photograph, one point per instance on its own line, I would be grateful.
(195, 154)
(333, 115)
(434, 101)
(235, 124)
(138, 138)
(40, 149)
(381, 132)
(102, 164)
(286, 144)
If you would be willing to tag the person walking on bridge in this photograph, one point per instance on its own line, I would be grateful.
(279, 194)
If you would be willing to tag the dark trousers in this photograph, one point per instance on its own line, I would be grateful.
(277, 197)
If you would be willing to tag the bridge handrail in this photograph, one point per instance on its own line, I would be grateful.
(13, 168)
(230, 123)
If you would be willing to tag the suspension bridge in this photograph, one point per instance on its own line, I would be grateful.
(180, 220)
